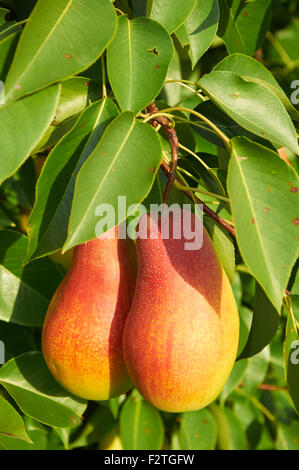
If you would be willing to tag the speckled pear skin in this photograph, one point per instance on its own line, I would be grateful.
(182, 332)
(82, 332)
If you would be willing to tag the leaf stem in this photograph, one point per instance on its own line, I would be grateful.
(196, 190)
(280, 50)
(119, 11)
(195, 156)
(184, 84)
(104, 89)
(222, 136)
(262, 408)
(258, 404)
(159, 114)
(226, 225)
(197, 124)
(182, 170)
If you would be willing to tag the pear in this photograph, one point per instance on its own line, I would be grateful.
(181, 335)
(82, 331)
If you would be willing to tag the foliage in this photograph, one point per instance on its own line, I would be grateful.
(76, 132)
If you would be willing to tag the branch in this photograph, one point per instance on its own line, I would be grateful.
(174, 144)
(206, 209)
(272, 388)
(171, 172)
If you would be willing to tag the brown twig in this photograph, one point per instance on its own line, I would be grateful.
(171, 172)
(259, 55)
(174, 145)
(272, 388)
(206, 209)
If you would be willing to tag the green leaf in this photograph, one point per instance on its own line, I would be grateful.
(249, 104)
(3, 13)
(4, 220)
(137, 61)
(288, 40)
(11, 423)
(280, 404)
(25, 292)
(37, 433)
(243, 25)
(264, 200)
(38, 438)
(4, 23)
(22, 125)
(76, 94)
(230, 432)
(141, 426)
(199, 29)
(8, 46)
(295, 305)
(234, 379)
(47, 225)
(28, 380)
(17, 339)
(251, 69)
(21, 9)
(198, 431)
(64, 435)
(291, 358)
(74, 36)
(223, 245)
(245, 324)
(245, 410)
(287, 436)
(100, 423)
(169, 15)
(225, 123)
(295, 296)
(264, 325)
(125, 169)
(173, 91)
(256, 371)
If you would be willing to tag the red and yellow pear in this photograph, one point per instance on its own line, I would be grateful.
(82, 332)
(181, 335)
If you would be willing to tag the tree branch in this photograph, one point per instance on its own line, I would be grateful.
(206, 209)
(171, 172)
(174, 144)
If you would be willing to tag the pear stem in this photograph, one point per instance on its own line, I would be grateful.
(170, 172)
(166, 169)
(174, 145)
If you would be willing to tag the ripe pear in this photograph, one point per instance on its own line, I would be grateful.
(82, 331)
(181, 335)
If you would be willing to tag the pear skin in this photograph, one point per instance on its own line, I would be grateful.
(82, 331)
(181, 335)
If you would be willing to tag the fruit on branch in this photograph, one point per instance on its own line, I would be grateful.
(82, 332)
(181, 335)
